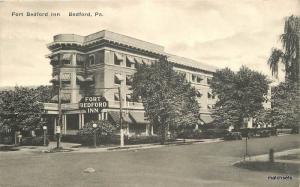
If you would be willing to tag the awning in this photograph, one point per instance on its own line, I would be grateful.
(80, 78)
(80, 58)
(66, 56)
(138, 117)
(54, 79)
(199, 93)
(129, 79)
(206, 118)
(138, 60)
(90, 78)
(130, 59)
(128, 97)
(118, 56)
(55, 98)
(119, 77)
(64, 97)
(116, 117)
(55, 58)
(66, 77)
(117, 98)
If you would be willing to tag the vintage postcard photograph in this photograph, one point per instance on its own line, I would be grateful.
(158, 93)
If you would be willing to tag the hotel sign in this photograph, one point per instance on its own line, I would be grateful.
(93, 104)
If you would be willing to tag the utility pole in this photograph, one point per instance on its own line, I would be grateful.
(121, 119)
(58, 125)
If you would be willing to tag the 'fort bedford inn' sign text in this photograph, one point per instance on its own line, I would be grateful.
(93, 104)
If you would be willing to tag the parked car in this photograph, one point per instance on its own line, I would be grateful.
(233, 136)
(265, 133)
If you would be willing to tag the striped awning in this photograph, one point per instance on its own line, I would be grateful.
(116, 117)
(66, 56)
(66, 77)
(89, 78)
(54, 58)
(80, 78)
(80, 58)
(118, 57)
(64, 97)
(54, 79)
(138, 117)
(138, 60)
(119, 76)
(130, 59)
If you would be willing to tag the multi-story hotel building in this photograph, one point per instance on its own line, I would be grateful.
(86, 65)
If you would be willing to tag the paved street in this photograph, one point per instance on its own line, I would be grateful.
(204, 165)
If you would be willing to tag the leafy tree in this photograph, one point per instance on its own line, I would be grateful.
(289, 56)
(169, 100)
(21, 108)
(240, 95)
(283, 109)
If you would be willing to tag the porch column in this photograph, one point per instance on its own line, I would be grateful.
(54, 123)
(82, 120)
(79, 121)
(100, 117)
(151, 129)
(147, 129)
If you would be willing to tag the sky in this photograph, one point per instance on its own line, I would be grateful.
(223, 33)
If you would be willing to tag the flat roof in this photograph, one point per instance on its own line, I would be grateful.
(132, 42)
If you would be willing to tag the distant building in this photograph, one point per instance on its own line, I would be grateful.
(107, 60)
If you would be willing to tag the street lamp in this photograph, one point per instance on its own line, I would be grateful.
(95, 134)
(45, 134)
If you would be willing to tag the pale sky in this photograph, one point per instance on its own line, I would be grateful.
(223, 33)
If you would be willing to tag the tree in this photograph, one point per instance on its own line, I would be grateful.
(169, 100)
(289, 56)
(283, 109)
(240, 95)
(21, 108)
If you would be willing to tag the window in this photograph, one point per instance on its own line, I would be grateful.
(208, 80)
(100, 54)
(65, 78)
(80, 59)
(66, 59)
(118, 59)
(116, 97)
(129, 61)
(209, 106)
(209, 95)
(129, 98)
(54, 60)
(199, 79)
(193, 78)
(118, 78)
(91, 59)
(198, 93)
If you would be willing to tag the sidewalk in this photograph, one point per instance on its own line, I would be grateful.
(73, 147)
(265, 157)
